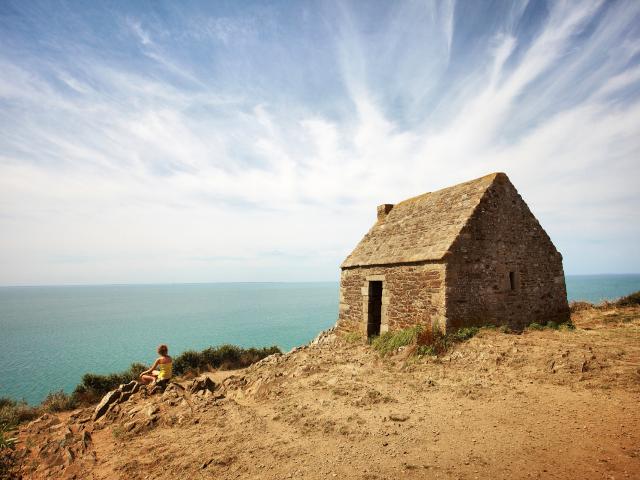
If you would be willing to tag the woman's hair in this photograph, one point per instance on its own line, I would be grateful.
(163, 349)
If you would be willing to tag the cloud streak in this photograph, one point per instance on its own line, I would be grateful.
(168, 141)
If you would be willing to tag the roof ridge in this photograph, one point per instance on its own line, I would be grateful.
(423, 227)
(495, 175)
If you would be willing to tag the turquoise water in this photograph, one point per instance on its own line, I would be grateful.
(51, 336)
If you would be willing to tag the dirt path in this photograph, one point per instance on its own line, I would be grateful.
(545, 404)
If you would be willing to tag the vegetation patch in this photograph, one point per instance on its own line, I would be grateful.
(421, 341)
(94, 386)
(353, 337)
(9, 467)
(223, 357)
(631, 300)
(13, 413)
(390, 342)
(568, 325)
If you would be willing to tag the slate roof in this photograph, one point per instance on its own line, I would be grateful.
(421, 228)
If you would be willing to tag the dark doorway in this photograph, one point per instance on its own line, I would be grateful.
(375, 309)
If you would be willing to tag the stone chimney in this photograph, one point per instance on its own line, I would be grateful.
(383, 210)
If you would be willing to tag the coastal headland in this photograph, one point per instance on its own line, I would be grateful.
(543, 403)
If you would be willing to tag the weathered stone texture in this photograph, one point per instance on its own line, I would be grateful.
(503, 237)
(470, 254)
(412, 294)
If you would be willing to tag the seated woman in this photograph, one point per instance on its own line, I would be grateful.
(161, 368)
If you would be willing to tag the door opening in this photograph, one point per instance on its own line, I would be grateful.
(375, 309)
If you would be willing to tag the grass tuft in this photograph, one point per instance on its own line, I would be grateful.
(353, 337)
(425, 341)
(390, 342)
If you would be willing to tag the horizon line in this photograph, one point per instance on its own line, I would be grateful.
(143, 284)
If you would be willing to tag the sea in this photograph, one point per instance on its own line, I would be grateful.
(51, 335)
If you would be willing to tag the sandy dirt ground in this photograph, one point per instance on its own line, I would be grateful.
(542, 404)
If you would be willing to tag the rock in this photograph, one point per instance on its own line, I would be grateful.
(324, 337)
(152, 410)
(159, 386)
(86, 440)
(201, 384)
(129, 426)
(105, 403)
(398, 417)
(68, 456)
(130, 387)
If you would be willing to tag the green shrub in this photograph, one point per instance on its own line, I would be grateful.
(426, 350)
(535, 326)
(353, 337)
(59, 402)
(13, 413)
(426, 341)
(7, 439)
(464, 333)
(187, 361)
(391, 341)
(226, 357)
(94, 386)
(553, 325)
(629, 301)
(9, 465)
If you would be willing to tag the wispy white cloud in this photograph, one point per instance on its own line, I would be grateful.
(145, 169)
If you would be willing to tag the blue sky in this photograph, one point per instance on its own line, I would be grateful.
(252, 141)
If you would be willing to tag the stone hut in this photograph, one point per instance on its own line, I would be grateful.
(471, 254)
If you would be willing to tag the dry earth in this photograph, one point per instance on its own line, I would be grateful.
(543, 404)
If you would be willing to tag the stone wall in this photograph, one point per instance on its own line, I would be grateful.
(502, 238)
(412, 294)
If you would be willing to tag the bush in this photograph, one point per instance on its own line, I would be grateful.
(426, 341)
(465, 333)
(391, 341)
(225, 357)
(59, 402)
(504, 329)
(12, 413)
(629, 300)
(568, 325)
(9, 465)
(94, 386)
(579, 306)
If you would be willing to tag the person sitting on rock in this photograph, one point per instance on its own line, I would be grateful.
(161, 369)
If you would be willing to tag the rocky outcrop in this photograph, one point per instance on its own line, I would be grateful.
(65, 448)
(119, 395)
(202, 384)
(324, 337)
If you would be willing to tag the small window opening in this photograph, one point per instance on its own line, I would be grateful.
(512, 280)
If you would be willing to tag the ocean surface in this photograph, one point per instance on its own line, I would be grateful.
(51, 336)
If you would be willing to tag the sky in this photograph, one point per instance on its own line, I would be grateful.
(155, 142)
